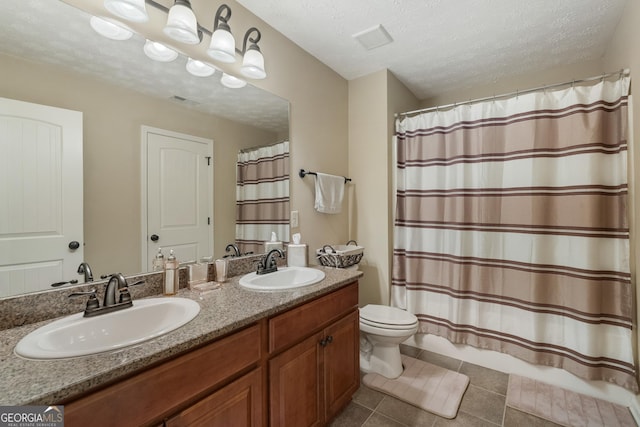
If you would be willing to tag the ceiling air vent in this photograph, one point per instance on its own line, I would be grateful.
(373, 37)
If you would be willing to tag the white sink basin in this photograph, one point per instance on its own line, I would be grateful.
(284, 278)
(76, 335)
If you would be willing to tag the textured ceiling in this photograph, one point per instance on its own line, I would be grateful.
(54, 32)
(445, 45)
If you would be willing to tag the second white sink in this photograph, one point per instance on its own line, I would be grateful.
(76, 335)
(284, 278)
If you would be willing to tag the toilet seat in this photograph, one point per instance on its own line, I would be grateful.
(384, 317)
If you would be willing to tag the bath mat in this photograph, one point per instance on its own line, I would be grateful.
(564, 407)
(429, 387)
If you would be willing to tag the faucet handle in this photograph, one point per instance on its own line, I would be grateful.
(92, 302)
(125, 296)
(272, 262)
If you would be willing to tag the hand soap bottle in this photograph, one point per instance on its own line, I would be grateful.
(158, 261)
(171, 275)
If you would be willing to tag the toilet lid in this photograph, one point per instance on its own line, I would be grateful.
(384, 315)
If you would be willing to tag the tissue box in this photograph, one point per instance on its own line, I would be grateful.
(297, 255)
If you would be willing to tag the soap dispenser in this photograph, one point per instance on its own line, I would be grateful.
(171, 275)
(158, 261)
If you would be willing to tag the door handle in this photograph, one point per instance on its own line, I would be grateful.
(154, 237)
(73, 245)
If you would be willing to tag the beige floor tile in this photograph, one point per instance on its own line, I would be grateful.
(483, 404)
(405, 413)
(378, 420)
(464, 420)
(353, 415)
(486, 378)
(367, 397)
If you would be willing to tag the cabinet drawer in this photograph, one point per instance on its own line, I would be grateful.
(297, 323)
(151, 394)
(237, 404)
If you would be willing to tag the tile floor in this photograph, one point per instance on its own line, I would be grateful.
(483, 404)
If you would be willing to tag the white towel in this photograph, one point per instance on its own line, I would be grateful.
(329, 193)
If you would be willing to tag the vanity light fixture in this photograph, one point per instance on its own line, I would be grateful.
(110, 29)
(232, 82)
(182, 25)
(223, 46)
(159, 52)
(253, 61)
(131, 10)
(199, 68)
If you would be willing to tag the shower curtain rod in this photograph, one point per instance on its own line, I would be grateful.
(246, 150)
(622, 72)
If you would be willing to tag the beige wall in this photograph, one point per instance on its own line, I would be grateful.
(367, 168)
(112, 118)
(373, 100)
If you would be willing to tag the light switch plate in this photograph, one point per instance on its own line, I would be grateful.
(294, 219)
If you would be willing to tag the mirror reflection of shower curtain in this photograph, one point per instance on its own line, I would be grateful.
(511, 229)
(262, 196)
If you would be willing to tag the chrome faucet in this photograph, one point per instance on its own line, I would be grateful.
(268, 263)
(236, 250)
(86, 270)
(118, 281)
(109, 304)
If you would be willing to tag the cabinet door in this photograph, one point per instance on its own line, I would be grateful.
(239, 404)
(295, 382)
(341, 363)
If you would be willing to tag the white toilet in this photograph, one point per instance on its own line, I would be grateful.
(382, 329)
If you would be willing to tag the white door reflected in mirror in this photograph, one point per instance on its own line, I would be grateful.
(41, 217)
(178, 196)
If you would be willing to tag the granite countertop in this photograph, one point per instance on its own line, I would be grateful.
(231, 307)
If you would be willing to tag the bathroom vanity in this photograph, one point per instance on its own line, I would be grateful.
(292, 358)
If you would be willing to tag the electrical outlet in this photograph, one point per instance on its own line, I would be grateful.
(294, 219)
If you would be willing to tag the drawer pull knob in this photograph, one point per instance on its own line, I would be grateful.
(326, 340)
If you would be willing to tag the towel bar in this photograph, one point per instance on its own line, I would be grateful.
(303, 173)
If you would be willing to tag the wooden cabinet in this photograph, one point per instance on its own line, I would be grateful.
(295, 382)
(298, 368)
(310, 382)
(148, 397)
(341, 364)
(239, 404)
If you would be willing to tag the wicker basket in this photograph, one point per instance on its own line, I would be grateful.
(343, 257)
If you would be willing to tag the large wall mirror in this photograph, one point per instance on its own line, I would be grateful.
(50, 55)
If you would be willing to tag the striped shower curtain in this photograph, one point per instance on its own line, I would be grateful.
(262, 196)
(511, 229)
